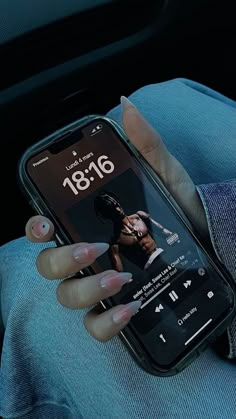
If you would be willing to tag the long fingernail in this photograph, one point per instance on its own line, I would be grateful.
(116, 280)
(126, 103)
(40, 229)
(125, 313)
(84, 253)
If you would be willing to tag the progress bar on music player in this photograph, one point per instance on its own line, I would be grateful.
(197, 333)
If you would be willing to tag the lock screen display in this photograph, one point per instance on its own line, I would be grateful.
(99, 193)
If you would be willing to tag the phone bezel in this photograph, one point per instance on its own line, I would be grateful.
(61, 238)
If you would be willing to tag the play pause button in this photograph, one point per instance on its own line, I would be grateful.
(173, 296)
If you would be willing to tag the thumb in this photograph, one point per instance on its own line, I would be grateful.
(149, 143)
(145, 139)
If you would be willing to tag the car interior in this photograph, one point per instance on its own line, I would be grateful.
(61, 60)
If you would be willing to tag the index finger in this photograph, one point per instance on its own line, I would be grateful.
(39, 229)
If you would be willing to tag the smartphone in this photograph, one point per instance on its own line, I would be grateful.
(95, 187)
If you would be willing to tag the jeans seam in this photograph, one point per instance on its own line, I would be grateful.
(31, 408)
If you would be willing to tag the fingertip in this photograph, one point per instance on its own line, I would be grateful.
(142, 135)
(39, 229)
(128, 110)
(132, 118)
(126, 103)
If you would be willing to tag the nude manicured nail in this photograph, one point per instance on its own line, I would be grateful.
(40, 229)
(116, 280)
(126, 103)
(84, 253)
(125, 313)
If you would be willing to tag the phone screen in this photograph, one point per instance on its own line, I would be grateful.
(98, 191)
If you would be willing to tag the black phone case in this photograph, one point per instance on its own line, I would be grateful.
(133, 345)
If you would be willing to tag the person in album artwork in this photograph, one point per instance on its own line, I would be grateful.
(131, 233)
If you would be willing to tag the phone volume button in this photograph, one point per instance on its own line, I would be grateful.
(34, 205)
(58, 240)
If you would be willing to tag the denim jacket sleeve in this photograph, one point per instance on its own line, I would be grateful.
(219, 201)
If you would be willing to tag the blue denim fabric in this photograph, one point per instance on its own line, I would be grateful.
(219, 201)
(51, 368)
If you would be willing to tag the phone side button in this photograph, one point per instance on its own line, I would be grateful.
(58, 240)
(36, 208)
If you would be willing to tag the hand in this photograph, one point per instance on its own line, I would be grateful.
(59, 263)
(75, 293)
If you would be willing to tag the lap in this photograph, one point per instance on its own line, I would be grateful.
(49, 360)
(56, 361)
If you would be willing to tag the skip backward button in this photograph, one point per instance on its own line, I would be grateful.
(159, 308)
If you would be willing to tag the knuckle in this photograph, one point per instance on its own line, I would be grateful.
(78, 295)
(100, 338)
(47, 265)
(40, 263)
(54, 266)
(95, 332)
(81, 302)
(70, 297)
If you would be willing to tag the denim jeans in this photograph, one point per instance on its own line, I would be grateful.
(51, 368)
